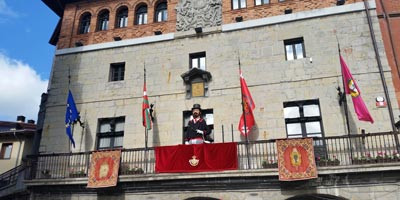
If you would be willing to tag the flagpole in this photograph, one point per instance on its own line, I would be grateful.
(244, 119)
(146, 132)
(69, 83)
(346, 110)
(145, 128)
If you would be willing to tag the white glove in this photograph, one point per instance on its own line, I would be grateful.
(200, 131)
(186, 142)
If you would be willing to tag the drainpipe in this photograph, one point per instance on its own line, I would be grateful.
(385, 89)
(385, 16)
(378, 59)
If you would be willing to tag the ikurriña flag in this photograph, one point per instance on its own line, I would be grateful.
(146, 109)
(248, 107)
(351, 88)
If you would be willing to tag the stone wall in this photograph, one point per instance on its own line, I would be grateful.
(373, 185)
(272, 80)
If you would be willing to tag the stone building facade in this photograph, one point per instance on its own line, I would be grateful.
(260, 45)
(289, 56)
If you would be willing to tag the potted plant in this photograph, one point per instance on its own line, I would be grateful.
(46, 173)
(334, 162)
(77, 173)
(270, 164)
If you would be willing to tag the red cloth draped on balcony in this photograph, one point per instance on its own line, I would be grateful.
(196, 158)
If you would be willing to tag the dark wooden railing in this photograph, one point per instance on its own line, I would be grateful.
(359, 149)
(9, 178)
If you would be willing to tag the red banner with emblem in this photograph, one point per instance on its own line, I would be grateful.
(196, 158)
(104, 167)
(296, 159)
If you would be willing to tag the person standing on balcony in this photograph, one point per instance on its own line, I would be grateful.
(197, 128)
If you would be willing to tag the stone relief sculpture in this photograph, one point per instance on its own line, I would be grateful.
(198, 13)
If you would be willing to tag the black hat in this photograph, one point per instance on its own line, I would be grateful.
(196, 106)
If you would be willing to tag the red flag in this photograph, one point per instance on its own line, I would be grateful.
(248, 105)
(351, 88)
(146, 109)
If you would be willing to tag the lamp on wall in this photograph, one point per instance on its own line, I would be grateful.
(117, 38)
(78, 44)
(239, 19)
(198, 30)
(397, 124)
(157, 32)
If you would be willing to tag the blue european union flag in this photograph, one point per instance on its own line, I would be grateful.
(71, 116)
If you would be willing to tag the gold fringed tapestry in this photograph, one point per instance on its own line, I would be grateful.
(296, 159)
(104, 167)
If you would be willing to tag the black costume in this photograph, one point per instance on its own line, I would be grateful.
(191, 132)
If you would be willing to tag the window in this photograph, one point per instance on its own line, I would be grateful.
(111, 133)
(206, 114)
(161, 12)
(260, 2)
(84, 25)
(303, 119)
(238, 4)
(6, 151)
(102, 23)
(122, 17)
(294, 49)
(141, 15)
(198, 60)
(117, 71)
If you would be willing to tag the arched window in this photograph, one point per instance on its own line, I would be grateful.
(122, 17)
(161, 12)
(141, 15)
(84, 24)
(102, 20)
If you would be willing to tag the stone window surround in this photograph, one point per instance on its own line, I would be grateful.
(117, 72)
(293, 43)
(3, 152)
(112, 134)
(303, 119)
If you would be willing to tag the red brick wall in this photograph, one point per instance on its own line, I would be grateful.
(273, 8)
(391, 7)
(69, 30)
(72, 13)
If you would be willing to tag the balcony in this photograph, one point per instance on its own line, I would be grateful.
(340, 154)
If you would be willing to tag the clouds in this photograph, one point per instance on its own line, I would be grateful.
(6, 12)
(20, 89)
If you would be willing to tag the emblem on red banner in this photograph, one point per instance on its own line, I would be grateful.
(194, 162)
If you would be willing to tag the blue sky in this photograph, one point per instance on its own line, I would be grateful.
(25, 56)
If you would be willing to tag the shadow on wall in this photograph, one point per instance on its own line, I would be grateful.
(316, 197)
(253, 135)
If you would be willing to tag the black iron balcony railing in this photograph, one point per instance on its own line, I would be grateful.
(350, 150)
